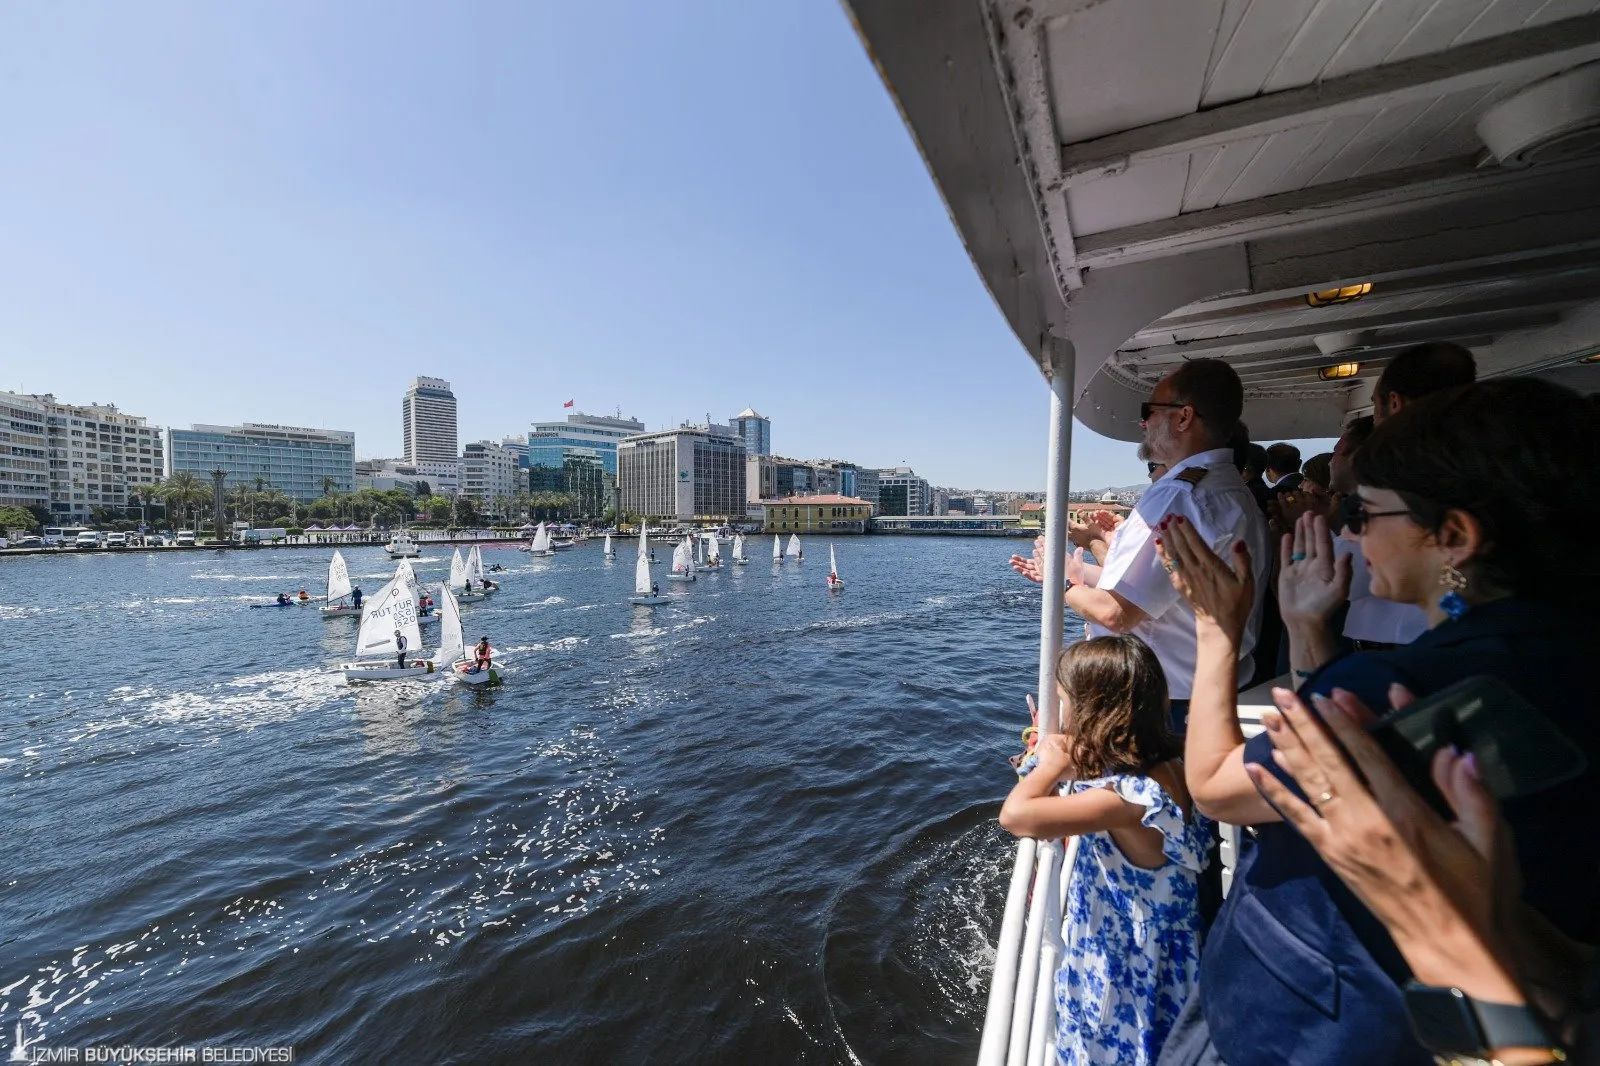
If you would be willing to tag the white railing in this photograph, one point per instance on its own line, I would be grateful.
(1019, 1023)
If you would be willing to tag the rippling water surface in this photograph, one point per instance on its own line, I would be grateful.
(756, 824)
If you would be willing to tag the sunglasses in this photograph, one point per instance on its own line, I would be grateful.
(1356, 516)
(1147, 408)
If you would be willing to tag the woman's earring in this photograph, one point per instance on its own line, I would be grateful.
(1452, 581)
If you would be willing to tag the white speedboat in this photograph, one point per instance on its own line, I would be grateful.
(644, 589)
(682, 563)
(338, 604)
(834, 583)
(463, 662)
(738, 550)
(390, 614)
(401, 546)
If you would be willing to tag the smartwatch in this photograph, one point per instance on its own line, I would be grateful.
(1450, 1022)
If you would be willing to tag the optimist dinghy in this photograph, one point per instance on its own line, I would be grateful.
(463, 661)
(795, 552)
(682, 563)
(390, 613)
(644, 592)
(777, 549)
(459, 576)
(834, 584)
(338, 605)
(738, 550)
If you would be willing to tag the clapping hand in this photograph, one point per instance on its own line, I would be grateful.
(1382, 838)
(1221, 595)
(1031, 567)
(1312, 581)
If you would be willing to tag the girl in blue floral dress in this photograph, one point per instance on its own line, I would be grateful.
(1132, 923)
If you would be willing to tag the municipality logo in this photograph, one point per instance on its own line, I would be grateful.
(19, 1050)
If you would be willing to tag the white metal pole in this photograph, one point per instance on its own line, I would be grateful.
(1003, 985)
(1041, 1041)
(1058, 478)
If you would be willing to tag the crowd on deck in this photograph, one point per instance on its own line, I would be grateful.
(1412, 885)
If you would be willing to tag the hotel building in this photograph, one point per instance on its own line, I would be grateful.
(428, 414)
(578, 455)
(291, 459)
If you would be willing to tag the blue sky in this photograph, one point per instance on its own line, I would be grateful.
(282, 212)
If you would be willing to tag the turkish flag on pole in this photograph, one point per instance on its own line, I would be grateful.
(567, 404)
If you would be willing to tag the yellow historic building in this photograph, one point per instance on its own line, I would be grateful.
(816, 514)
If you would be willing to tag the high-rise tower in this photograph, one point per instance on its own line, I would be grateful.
(429, 415)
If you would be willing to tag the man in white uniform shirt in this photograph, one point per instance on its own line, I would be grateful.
(1187, 424)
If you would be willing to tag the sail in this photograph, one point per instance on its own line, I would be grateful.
(541, 539)
(450, 646)
(608, 544)
(777, 548)
(405, 575)
(794, 544)
(738, 545)
(458, 571)
(475, 564)
(338, 578)
(390, 610)
(641, 576)
(833, 564)
(691, 556)
(712, 552)
(682, 560)
(644, 545)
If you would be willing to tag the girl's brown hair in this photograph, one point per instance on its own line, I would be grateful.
(1119, 706)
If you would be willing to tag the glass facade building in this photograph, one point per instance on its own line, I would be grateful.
(686, 473)
(578, 455)
(290, 459)
(755, 430)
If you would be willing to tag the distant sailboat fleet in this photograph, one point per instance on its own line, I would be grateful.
(389, 643)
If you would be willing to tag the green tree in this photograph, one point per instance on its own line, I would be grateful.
(16, 518)
(184, 492)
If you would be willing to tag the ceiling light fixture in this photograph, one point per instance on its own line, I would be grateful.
(1331, 297)
(1338, 370)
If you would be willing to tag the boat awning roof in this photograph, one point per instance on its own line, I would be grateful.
(1140, 182)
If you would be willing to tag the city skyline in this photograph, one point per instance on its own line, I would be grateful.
(299, 224)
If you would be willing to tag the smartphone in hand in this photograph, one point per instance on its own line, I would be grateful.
(1519, 749)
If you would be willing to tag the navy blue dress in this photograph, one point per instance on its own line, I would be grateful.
(1296, 970)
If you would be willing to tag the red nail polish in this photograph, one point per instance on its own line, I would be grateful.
(1180, 520)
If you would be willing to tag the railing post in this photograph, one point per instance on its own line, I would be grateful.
(1058, 471)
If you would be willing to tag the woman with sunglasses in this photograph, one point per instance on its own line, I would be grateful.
(1476, 505)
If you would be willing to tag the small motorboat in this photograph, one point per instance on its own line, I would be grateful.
(401, 546)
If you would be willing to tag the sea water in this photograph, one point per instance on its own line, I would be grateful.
(756, 824)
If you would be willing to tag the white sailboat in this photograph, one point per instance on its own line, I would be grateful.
(682, 563)
(475, 571)
(339, 590)
(738, 550)
(777, 549)
(460, 574)
(392, 611)
(833, 570)
(713, 553)
(644, 589)
(459, 660)
(795, 552)
(540, 548)
(610, 551)
(406, 576)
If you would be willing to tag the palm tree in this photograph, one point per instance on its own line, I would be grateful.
(183, 490)
(328, 484)
(146, 494)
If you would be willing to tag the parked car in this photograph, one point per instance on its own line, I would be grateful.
(28, 542)
(185, 538)
(116, 540)
(154, 540)
(87, 539)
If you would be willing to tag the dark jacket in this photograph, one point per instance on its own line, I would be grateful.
(1296, 969)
